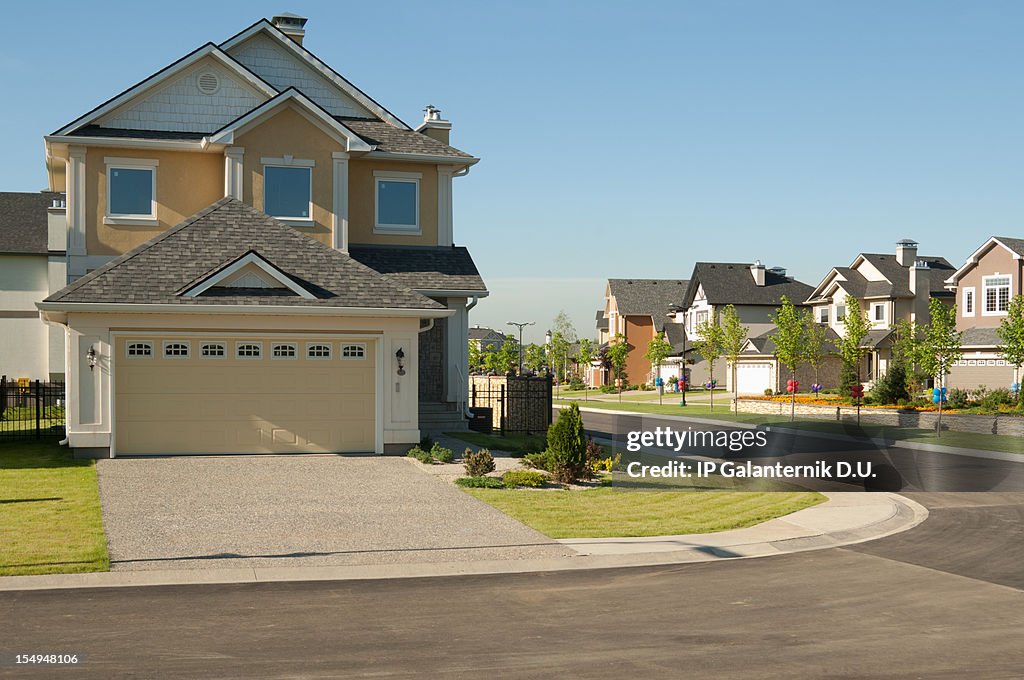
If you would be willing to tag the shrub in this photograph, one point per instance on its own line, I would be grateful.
(567, 446)
(992, 400)
(768, 392)
(542, 460)
(478, 463)
(480, 482)
(442, 454)
(426, 443)
(594, 453)
(957, 398)
(576, 384)
(530, 478)
(891, 388)
(609, 389)
(420, 455)
(608, 464)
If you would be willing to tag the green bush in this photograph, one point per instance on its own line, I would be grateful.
(567, 446)
(891, 388)
(608, 464)
(478, 463)
(576, 384)
(768, 392)
(993, 399)
(442, 454)
(609, 389)
(957, 398)
(420, 455)
(480, 482)
(530, 478)
(541, 460)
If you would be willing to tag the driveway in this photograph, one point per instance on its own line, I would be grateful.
(234, 511)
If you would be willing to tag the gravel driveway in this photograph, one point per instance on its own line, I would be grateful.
(309, 510)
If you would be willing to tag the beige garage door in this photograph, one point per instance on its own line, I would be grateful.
(243, 394)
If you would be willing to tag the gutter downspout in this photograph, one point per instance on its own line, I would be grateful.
(67, 346)
(464, 390)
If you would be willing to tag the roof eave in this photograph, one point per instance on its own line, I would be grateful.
(200, 145)
(270, 310)
(465, 161)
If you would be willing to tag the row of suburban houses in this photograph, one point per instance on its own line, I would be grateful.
(888, 287)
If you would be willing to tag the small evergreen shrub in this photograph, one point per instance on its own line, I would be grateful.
(576, 384)
(609, 389)
(542, 460)
(957, 398)
(442, 454)
(528, 478)
(478, 463)
(420, 455)
(567, 446)
(480, 483)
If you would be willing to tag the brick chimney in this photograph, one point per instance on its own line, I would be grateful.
(434, 126)
(906, 252)
(292, 25)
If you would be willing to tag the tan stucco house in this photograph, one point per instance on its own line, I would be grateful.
(261, 259)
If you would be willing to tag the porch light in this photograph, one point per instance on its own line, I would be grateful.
(90, 356)
(400, 355)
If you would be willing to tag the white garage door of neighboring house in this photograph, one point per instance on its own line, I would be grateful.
(753, 378)
(243, 394)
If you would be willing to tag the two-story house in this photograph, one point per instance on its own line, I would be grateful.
(261, 259)
(888, 288)
(756, 292)
(984, 286)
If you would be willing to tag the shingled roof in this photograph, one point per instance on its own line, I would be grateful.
(442, 268)
(23, 223)
(389, 138)
(161, 270)
(647, 297)
(897, 278)
(726, 283)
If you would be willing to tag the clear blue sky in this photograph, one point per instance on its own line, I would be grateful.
(626, 139)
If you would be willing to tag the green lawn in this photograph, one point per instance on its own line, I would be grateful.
(49, 511)
(606, 512)
(519, 444)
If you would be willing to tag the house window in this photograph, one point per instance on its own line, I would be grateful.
(968, 304)
(822, 314)
(248, 350)
(288, 192)
(840, 312)
(354, 351)
(397, 197)
(878, 312)
(131, 190)
(213, 350)
(140, 349)
(318, 351)
(283, 350)
(997, 294)
(176, 350)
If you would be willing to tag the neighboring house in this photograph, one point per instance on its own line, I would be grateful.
(32, 241)
(889, 288)
(984, 286)
(484, 338)
(638, 309)
(262, 260)
(756, 292)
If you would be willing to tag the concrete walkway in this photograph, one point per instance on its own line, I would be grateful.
(844, 519)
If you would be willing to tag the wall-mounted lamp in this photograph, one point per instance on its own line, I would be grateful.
(400, 355)
(90, 356)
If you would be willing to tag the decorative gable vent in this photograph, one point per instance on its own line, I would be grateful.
(208, 82)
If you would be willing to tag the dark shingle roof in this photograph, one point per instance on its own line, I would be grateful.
(1014, 244)
(160, 270)
(482, 333)
(387, 137)
(419, 268)
(23, 221)
(732, 283)
(939, 269)
(981, 337)
(602, 320)
(647, 297)
(765, 343)
(98, 131)
(675, 333)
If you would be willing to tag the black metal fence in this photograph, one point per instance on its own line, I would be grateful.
(515, 404)
(31, 409)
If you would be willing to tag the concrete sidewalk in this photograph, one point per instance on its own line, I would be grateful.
(844, 519)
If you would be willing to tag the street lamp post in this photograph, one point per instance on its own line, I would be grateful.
(520, 326)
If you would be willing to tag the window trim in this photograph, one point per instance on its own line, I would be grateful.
(885, 313)
(826, 314)
(328, 345)
(984, 293)
(359, 345)
(840, 319)
(291, 164)
(240, 343)
(413, 178)
(185, 343)
(206, 343)
(131, 219)
(294, 347)
(974, 301)
(128, 345)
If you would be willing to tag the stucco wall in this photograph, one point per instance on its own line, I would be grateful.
(24, 339)
(362, 211)
(997, 259)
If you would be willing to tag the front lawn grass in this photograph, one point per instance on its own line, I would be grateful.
(516, 444)
(605, 512)
(49, 511)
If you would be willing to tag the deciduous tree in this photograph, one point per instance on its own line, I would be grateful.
(940, 347)
(1011, 337)
(734, 336)
(789, 342)
(618, 353)
(709, 345)
(658, 350)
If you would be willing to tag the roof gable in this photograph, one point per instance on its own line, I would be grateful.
(1014, 245)
(733, 283)
(647, 297)
(249, 272)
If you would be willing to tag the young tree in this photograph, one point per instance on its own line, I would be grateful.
(658, 350)
(618, 353)
(563, 324)
(506, 358)
(789, 343)
(559, 355)
(1011, 336)
(734, 336)
(894, 386)
(851, 350)
(535, 357)
(815, 336)
(585, 355)
(709, 345)
(476, 356)
(940, 347)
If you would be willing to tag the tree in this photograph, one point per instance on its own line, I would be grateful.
(734, 337)
(476, 356)
(940, 347)
(815, 336)
(1011, 336)
(618, 353)
(535, 357)
(567, 445)
(506, 358)
(709, 346)
(658, 350)
(851, 349)
(585, 355)
(559, 355)
(894, 386)
(563, 324)
(789, 341)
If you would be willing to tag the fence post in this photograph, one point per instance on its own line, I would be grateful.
(3, 395)
(551, 404)
(39, 409)
(504, 409)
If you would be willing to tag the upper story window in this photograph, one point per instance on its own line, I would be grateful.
(822, 314)
(967, 308)
(131, 191)
(840, 313)
(997, 294)
(288, 189)
(397, 198)
(878, 312)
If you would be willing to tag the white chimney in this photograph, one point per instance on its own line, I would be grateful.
(921, 288)
(434, 126)
(757, 270)
(292, 25)
(906, 252)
